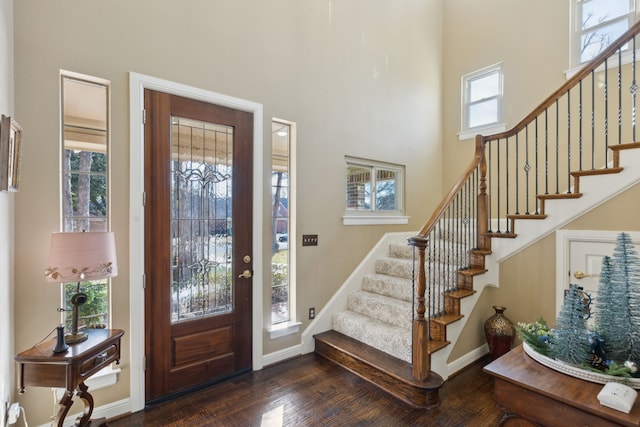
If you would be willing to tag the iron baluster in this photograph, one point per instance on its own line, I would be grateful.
(593, 121)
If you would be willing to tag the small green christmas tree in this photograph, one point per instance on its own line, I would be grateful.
(569, 340)
(607, 324)
(619, 312)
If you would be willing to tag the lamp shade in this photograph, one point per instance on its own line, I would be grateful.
(81, 256)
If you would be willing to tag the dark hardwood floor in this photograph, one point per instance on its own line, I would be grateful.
(311, 391)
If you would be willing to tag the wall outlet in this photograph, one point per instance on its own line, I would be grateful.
(312, 312)
(13, 413)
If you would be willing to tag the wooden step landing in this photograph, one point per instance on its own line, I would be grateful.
(377, 367)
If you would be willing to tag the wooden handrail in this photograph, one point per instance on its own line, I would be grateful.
(548, 102)
(444, 204)
(569, 84)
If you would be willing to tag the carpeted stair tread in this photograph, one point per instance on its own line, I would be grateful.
(386, 337)
(404, 251)
(390, 286)
(380, 307)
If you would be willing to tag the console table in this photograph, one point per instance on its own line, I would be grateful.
(39, 366)
(532, 394)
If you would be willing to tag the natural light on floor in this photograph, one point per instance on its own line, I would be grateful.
(273, 418)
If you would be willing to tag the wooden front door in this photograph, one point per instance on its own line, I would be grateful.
(198, 254)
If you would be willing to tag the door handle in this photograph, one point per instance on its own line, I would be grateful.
(581, 275)
(245, 274)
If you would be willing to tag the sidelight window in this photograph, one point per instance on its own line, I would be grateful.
(85, 195)
(283, 233)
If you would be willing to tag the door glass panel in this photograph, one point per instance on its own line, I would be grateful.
(201, 229)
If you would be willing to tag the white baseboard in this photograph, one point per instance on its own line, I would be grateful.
(280, 355)
(467, 359)
(110, 410)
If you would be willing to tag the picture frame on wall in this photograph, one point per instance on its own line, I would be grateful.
(10, 152)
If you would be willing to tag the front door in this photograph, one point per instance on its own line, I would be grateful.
(198, 265)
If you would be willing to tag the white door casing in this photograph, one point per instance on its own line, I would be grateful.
(581, 251)
(137, 84)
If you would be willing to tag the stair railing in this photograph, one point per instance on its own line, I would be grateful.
(443, 246)
(513, 173)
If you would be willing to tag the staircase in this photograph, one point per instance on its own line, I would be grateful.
(563, 159)
(372, 337)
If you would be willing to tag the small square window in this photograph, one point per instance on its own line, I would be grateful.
(373, 190)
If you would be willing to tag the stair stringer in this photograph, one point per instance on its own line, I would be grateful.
(595, 190)
(338, 302)
(439, 359)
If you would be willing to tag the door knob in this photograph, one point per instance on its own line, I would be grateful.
(581, 275)
(245, 274)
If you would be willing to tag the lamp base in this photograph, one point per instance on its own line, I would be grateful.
(76, 338)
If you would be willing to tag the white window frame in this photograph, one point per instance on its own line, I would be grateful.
(108, 375)
(291, 326)
(577, 31)
(376, 217)
(467, 131)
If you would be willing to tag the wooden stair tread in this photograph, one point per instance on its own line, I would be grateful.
(387, 363)
(435, 345)
(379, 368)
(627, 146)
(504, 235)
(447, 319)
(592, 172)
(526, 216)
(460, 293)
(482, 251)
(472, 271)
(559, 196)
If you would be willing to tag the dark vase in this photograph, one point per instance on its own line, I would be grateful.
(499, 332)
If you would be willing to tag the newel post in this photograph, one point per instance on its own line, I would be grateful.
(421, 359)
(484, 243)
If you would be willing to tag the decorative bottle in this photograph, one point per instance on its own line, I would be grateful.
(499, 332)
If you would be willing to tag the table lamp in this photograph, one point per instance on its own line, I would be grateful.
(80, 257)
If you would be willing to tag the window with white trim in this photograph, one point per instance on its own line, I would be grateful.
(85, 181)
(373, 190)
(596, 24)
(482, 93)
(283, 231)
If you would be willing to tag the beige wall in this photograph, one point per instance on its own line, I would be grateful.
(535, 53)
(7, 383)
(359, 78)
